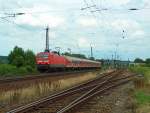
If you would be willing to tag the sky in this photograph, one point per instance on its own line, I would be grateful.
(78, 25)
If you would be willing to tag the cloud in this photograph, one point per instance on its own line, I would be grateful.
(52, 35)
(125, 24)
(41, 20)
(139, 33)
(83, 42)
(72, 27)
(119, 2)
(87, 21)
(115, 2)
(35, 16)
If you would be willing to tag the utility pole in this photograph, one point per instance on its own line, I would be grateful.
(112, 57)
(47, 40)
(91, 52)
(115, 56)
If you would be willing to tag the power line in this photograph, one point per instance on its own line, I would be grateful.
(13, 15)
(91, 12)
(49, 11)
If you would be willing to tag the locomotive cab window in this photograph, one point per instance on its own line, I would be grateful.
(42, 56)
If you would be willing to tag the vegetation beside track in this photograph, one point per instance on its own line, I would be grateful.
(8, 70)
(19, 63)
(142, 92)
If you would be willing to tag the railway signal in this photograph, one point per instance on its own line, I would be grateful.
(123, 34)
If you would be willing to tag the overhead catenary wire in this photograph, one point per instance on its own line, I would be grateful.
(92, 12)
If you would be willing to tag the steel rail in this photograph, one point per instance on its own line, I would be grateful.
(89, 94)
(59, 94)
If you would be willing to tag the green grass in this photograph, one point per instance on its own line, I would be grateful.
(142, 70)
(7, 70)
(142, 95)
(142, 98)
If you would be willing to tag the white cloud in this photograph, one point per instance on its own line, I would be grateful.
(41, 20)
(36, 8)
(107, 32)
(52, 35)
(127, 24)
(83, 42)
(115, 2)
(87, 21)
(119, 2)
(139, 33)
(35, 16)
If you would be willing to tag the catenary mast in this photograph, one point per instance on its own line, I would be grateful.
(47, 40)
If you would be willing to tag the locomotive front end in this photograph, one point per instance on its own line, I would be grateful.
(43, 61)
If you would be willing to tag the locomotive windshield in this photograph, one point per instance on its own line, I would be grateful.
(42, 56)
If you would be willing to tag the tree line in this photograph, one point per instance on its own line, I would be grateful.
(19, 62)
(139, 60)
(18, 57)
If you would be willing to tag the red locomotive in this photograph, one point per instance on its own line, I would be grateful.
(53, 61)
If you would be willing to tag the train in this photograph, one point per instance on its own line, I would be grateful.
(52, 61)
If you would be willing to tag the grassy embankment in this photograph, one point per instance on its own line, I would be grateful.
(7, 70)
(142, 91)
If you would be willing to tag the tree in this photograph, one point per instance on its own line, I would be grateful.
(79, 56)
(147, 61)
(1, 62)
(18, 61)
(16, 57)
(138, 60)
(19, 57)
(30, 58)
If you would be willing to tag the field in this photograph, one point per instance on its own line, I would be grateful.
(142, 92)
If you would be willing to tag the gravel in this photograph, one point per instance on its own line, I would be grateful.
(118, 100)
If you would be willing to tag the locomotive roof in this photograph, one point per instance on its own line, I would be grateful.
(72, 58)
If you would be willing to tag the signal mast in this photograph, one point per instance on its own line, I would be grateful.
(47, 40)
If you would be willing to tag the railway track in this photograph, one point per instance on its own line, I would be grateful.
(39, 76)
(69, 99)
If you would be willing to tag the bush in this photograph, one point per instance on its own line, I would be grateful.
(18, 61)
(1, 62)
(30, 58)
(31, 69)
(18, 57)
(11, 70)
(6, 69)
(22, 70)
